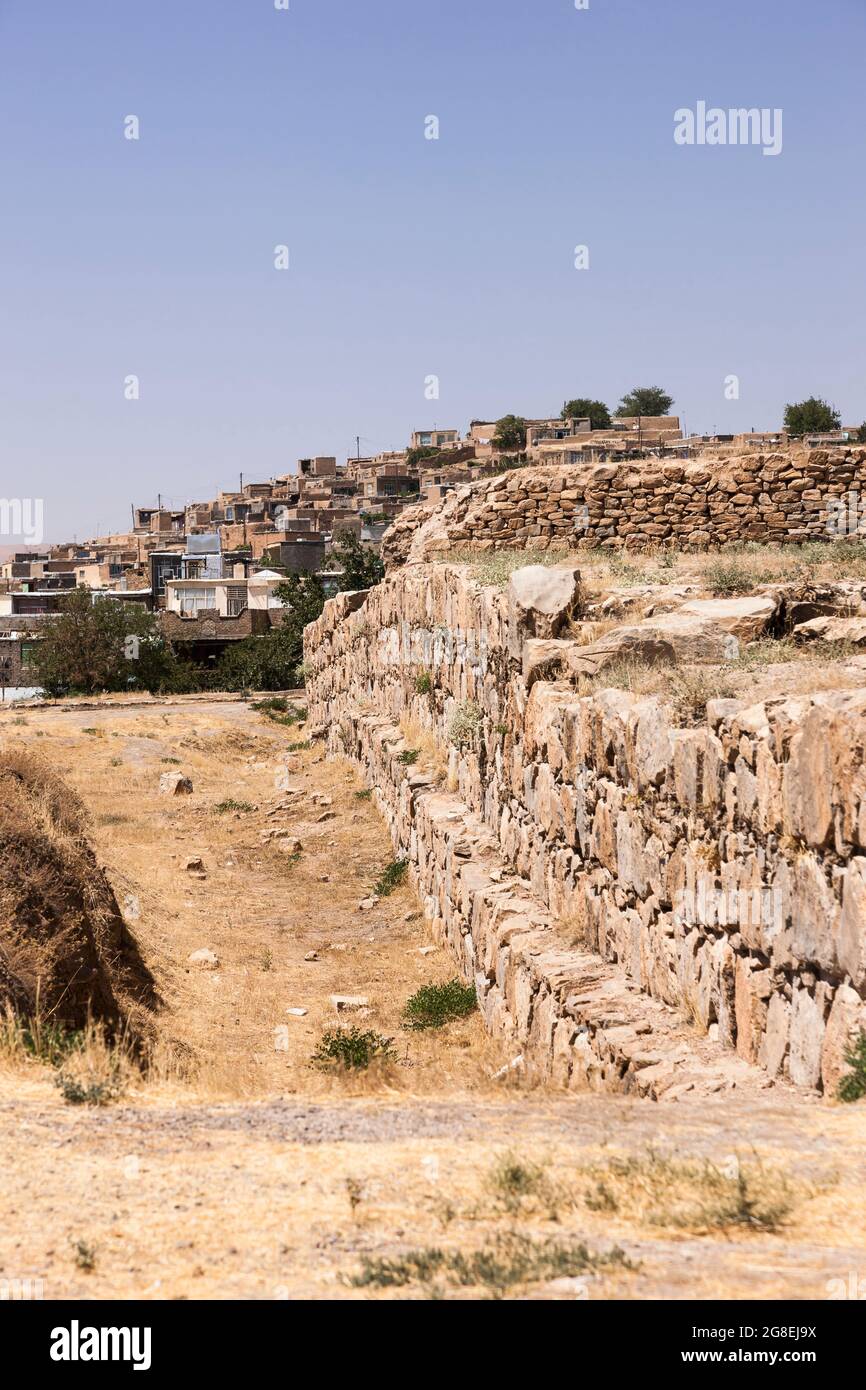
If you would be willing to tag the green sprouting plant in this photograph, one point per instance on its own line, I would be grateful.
(423, 683)
(853, 1086)
(271, 703)
(96, 1092)
(391, 877)
(84, 1255)
(408, 757)
(223, 807)
(432, 1006)
(364, 795)
(351, 1049)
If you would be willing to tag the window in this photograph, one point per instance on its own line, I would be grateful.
(236, 600)
(191, 602)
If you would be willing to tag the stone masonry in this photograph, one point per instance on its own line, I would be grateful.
(641, 905)
(775, 498)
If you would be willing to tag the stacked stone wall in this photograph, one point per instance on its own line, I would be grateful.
(779, 498)
(639, 903)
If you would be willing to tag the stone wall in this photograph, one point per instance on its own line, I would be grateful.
(773, 498)
(640, 904)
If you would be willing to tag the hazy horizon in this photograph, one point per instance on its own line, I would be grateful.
(409, 258)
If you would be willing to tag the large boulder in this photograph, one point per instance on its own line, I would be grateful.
(671, 639)
(826, 629)
(542, 600)
(175, 784)
(747, 618)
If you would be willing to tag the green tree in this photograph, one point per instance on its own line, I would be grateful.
(94, 644)
(645, 400)
(271, 661)
(362, 567)
(510, 432)
(812, 416)
(861, 434)
(268, 662)
(420, 452)
(583, 408)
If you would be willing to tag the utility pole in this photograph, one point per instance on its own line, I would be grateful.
(358, 444)
(242, 483)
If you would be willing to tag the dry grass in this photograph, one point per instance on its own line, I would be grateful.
(685, 688)
(736, 569)
(226, 1033)
(690, 1195)
(498, 1187)
(64, 955)
(433, 755)
(494, 568)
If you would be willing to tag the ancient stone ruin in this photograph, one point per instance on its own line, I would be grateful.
(646, 898)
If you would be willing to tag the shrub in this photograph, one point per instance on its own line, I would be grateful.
(222, 807)
(690, 1194)
(92, 644)
(279, 710)
(853, 1086)
(78, 1091)
(731, 576)
(273, 702)
(513, 1180)
(432, 1006)
(351, 1049)
(408, 757)
(391, 877)
(423, 683)
(506, 1260)
(689, 691)
(84, 1255)
(45, 1040)
(465, 724)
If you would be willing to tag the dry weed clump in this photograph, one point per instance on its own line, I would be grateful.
(506, 1261)
(494, 568)
(66, 956)
(689, 1194)
(432, 755)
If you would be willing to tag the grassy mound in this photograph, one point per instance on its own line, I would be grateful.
(66, 955)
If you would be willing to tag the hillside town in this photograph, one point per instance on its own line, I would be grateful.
(211, 570)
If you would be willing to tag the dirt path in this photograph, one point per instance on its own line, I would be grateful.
(240, 1171)
(281, 1199)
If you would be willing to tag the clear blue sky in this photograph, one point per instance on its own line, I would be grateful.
(409, 257)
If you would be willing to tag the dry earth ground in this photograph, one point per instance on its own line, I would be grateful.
(237, 1170)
